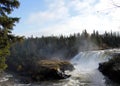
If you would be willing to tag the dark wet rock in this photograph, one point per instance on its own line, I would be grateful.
(44, 70)
(111, 69)
(50, 70)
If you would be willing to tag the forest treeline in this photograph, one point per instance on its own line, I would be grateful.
(62, 47)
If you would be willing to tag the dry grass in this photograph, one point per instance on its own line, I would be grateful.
(52, 64)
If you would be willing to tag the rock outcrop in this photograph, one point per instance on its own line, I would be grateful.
(51, 70)
(46, 70)
(111, 69)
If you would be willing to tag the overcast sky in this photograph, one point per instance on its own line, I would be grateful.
(56, 17)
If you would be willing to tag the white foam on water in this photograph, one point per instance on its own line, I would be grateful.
(86, 68)
(3, 79)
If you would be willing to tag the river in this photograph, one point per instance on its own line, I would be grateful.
(85, 74)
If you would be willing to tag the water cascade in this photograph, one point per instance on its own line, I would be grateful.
(86, 70)
(86, 64)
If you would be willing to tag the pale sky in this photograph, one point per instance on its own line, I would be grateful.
(56, 17)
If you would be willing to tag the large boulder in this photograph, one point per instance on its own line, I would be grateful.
(111, 69)
(50, 70)
(47, 70)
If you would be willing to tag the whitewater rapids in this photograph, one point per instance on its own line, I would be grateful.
(86, 70)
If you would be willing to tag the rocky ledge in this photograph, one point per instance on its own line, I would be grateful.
(111, 69)
(51, 69)
(46, 70)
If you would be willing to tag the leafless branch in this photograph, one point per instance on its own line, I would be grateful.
(115, 4)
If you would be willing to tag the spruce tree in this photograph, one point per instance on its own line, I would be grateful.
(6, 26)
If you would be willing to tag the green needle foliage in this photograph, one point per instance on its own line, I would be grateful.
(6, 26)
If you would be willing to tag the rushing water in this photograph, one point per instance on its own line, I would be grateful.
(85, 74)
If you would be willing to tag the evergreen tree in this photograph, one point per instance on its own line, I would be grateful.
(6, 26)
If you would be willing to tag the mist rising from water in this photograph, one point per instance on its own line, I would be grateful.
(89, 60)
(86, 65)
(87, 45)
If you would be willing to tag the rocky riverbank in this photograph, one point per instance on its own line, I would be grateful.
(44, 70)
(111, 69)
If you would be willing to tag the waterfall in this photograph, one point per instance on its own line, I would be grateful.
(89, 60)
(85, 74)
(86, 68)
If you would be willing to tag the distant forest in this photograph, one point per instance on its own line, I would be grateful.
(62, 47)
